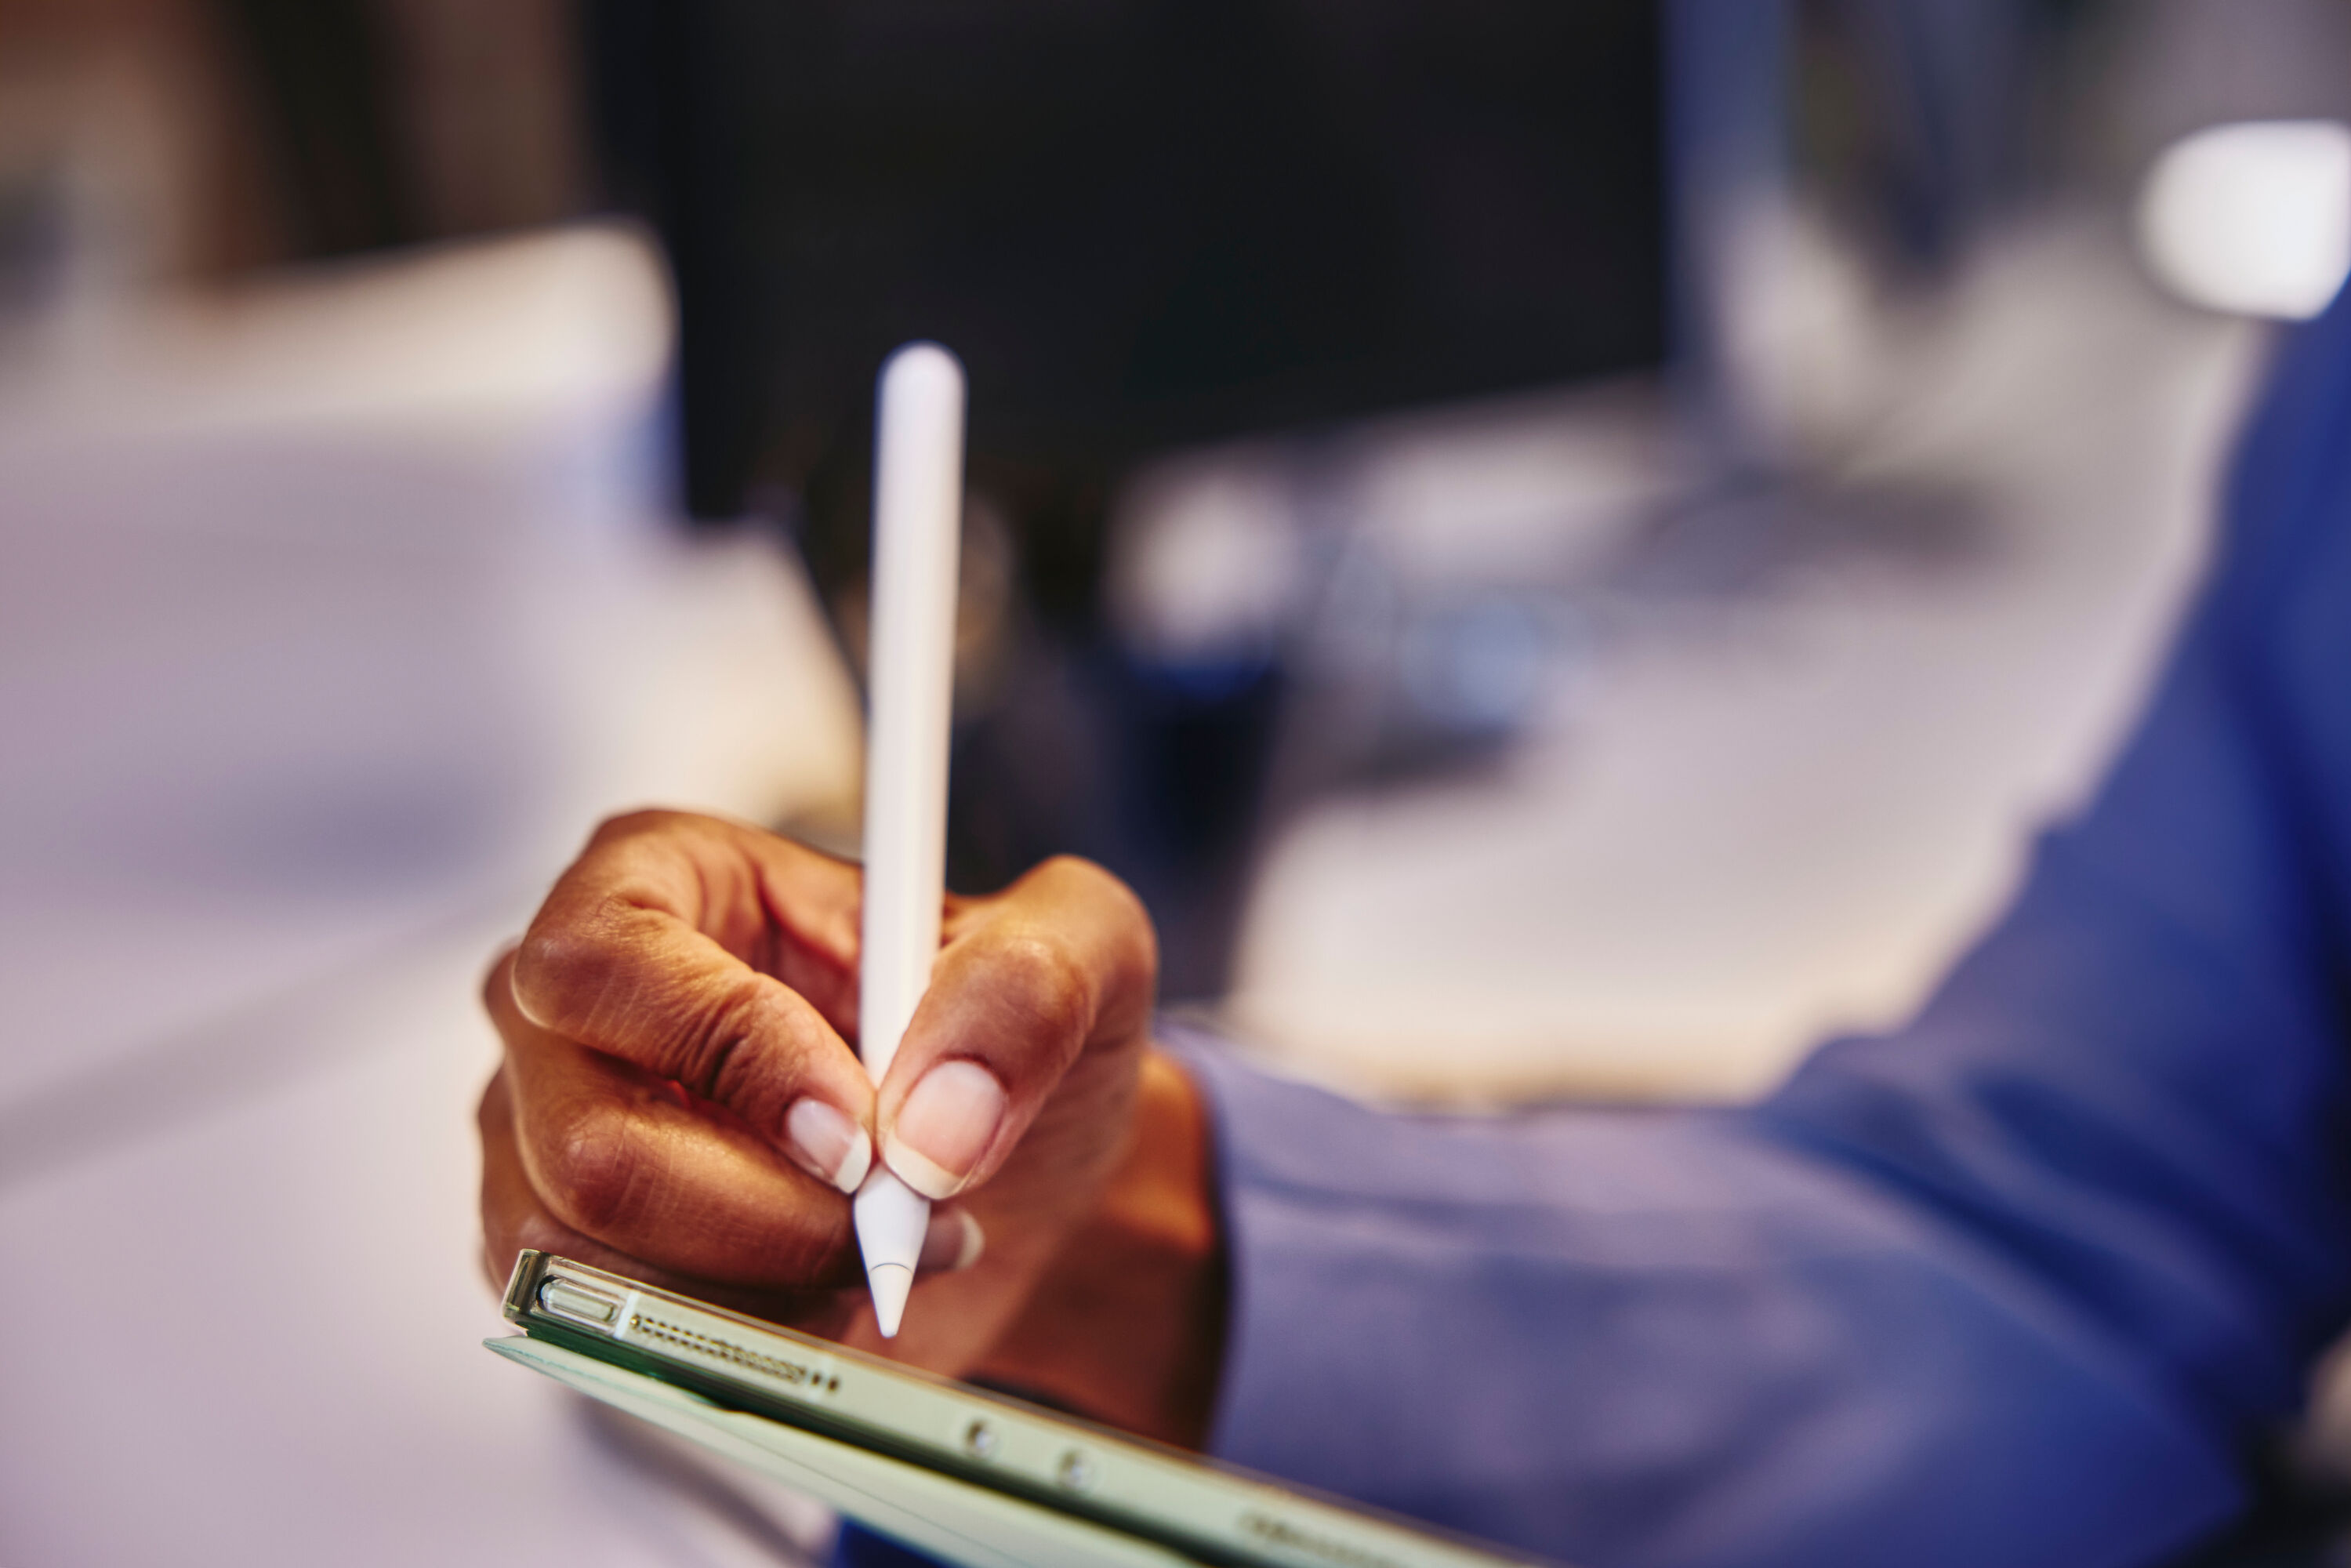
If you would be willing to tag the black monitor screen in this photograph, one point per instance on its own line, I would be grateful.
(1139, 221)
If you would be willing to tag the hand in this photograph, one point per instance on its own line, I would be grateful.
(680, 1102)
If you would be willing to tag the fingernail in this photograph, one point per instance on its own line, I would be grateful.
(953, 1240)
(828, 1144)
(945, 1124)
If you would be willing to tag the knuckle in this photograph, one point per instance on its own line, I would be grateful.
(717, 1057)
(1044, 983)
(572, 967)
(1074, 869)
(595, 1174)
(1116, 911)
(556, 967)
(631, 824)
(1096, 888)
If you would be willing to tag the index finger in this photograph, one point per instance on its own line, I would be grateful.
(1058, 967)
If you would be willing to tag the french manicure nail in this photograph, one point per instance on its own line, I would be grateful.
(944, 1127)
(828, 1144)
(953, 1241)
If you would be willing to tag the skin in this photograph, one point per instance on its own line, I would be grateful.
(689, 979)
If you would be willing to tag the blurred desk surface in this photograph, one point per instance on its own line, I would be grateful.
(251, 1336)
(331, 618)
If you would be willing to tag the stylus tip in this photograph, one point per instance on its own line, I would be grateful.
(889, 1282)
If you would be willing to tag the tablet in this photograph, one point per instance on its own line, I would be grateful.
(970, 1475)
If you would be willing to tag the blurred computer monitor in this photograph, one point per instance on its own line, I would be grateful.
(1142, 222)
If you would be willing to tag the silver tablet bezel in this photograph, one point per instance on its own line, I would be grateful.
(1204, 1510)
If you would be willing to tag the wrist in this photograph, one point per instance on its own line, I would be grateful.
(1127, 1321)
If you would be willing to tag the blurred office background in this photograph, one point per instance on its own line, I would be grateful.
(1563, 549)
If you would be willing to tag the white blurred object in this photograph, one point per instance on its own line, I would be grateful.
(1204, 559)
(1513, 490)
(489, 341)
(2253, 219)
(1212, 558)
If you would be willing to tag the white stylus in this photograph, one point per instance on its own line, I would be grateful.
(910, 665)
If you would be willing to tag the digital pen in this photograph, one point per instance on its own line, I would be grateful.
(910, 665)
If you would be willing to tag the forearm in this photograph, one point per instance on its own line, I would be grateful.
(1127, 1322)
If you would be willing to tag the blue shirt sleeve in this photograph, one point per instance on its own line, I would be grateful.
(2019, 1283)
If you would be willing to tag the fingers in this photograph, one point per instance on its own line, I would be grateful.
(637, 1164)
(717, 956)
(953, 1241)
(514, 1216)
(1060, 962)
(678, 1071)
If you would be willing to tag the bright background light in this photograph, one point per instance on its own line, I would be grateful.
(2254, 218)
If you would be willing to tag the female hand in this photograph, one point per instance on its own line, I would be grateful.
(681, 1100)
